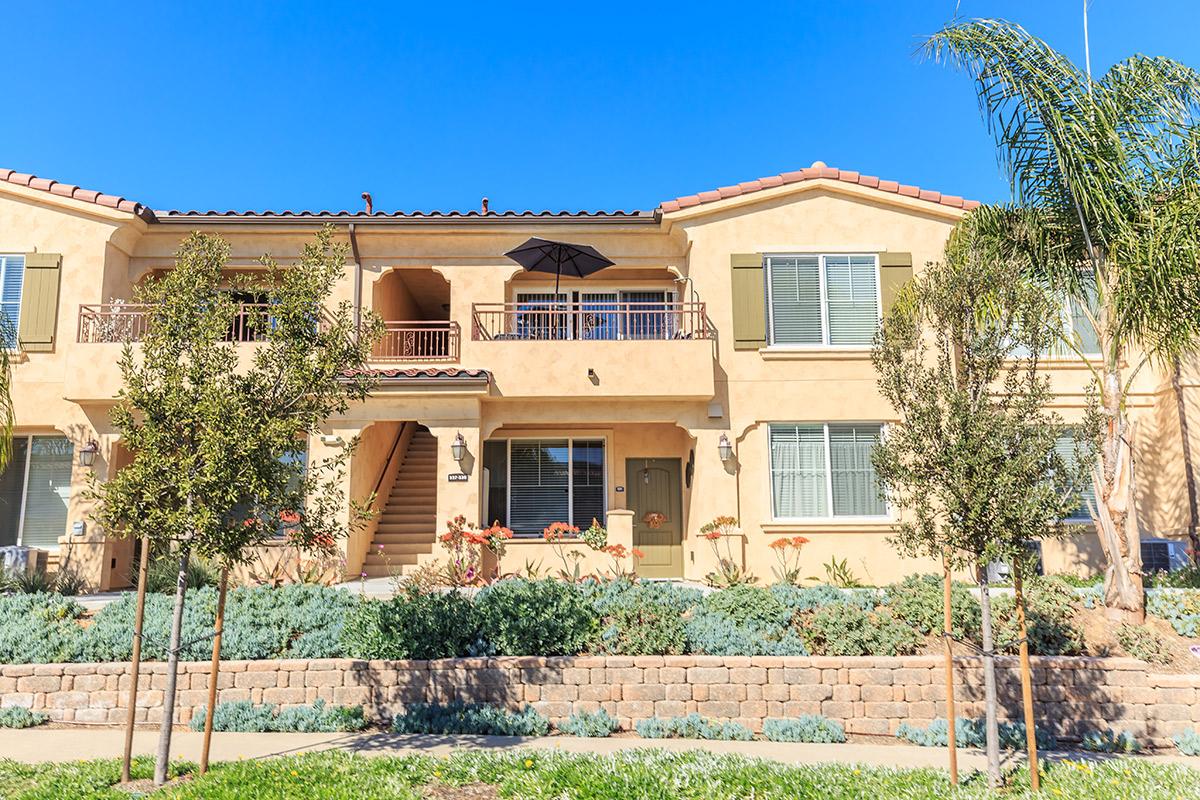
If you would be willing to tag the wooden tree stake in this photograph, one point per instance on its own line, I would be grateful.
(135, 660)
(1026, 683)
(216, 668)
(949, 627)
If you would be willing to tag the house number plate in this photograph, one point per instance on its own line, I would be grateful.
(457, 477)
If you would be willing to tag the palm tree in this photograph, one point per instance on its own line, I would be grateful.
(1106, 212)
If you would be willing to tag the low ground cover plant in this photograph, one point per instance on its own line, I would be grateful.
(971, 733)
(693, 726)
(805, 728)
(589, 724)
(242, 716)
(545, 617)
(1144, 643)
(413, 624)
(1110, 741)
(470, 718)
(1188, 743)
(19, 717)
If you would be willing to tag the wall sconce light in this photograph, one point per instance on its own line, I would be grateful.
(458, 450)
(724, 448)
(87, 454)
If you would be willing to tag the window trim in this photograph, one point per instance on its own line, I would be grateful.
(830, 518)
(570, 438)
(824, 301)
(15, 346)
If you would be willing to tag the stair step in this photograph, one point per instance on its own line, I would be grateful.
(393, 549)
(406, 527)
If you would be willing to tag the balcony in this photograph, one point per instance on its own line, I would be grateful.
(419, 340)
(595, 350)
(594, 321)
(117, 323)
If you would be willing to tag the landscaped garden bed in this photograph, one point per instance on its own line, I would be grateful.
(645, 775)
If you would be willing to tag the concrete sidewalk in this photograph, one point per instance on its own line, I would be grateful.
(64, 744)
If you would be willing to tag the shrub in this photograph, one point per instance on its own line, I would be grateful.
(644, 629)
(242, 716)
(470, 718)
(609, 595)
(1185, 578)
(1050, 606)
(1109, 741)
(163, 572)
(38, 629)
(546, 618)
(797, 598)
(693, 726)
(294, 621)
(919, 601)
(805, 728)
(971, 733)
(847, 630)
(1144, 643)
(589, 724)
(1188, 743)
(413, 624)
(748, 605)
(19, 717)
(1180, 607)
(743, 621)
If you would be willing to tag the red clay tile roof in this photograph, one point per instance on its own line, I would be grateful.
(816, 172)
(304, 214)
(76, 193)
(421, 373)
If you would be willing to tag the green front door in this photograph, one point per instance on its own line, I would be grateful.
(653, 494)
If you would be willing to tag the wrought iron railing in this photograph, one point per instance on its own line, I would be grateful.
(418, 340)
(101, 323)
(589, 321)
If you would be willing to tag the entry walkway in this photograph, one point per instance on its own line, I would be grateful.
(64, 744)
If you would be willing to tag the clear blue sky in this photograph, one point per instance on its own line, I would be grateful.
(556, 105)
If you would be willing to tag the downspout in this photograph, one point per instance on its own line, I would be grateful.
(358, 276)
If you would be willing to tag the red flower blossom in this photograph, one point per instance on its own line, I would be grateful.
(637, 553)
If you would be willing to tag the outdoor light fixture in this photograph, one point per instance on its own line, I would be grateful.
(724, 448)
(87, 455)
(459, 449)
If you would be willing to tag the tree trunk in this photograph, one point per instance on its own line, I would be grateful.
(1189, 473)
(135, 659)
(992, 729)
(1026, 680)
(162, 758)
(948, 620)
(1116, 516)
(215, 671)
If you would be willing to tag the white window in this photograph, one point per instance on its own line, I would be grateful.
(823, 300)
(35, 489)
(824, 470)
(544, 481)
(1070, 451)
(12, 280)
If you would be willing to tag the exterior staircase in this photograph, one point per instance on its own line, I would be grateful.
(407, 527)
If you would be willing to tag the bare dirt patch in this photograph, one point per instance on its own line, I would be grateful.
(468, 791)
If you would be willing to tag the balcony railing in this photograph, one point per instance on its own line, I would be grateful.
(593, 321)
(432, 340)
(101, 323)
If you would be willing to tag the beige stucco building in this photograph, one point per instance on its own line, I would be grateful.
(741, 315)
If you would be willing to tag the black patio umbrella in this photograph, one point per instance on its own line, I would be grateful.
(560, 258)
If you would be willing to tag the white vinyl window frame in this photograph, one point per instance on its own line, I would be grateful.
(823, 301)
(8, 263)
(829, 517)
(604, 467)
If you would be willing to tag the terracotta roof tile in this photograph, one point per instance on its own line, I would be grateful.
(74, 192)
(817, 171)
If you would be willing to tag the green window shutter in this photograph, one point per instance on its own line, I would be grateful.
(39, 302)
(895, 270)
(749, 301)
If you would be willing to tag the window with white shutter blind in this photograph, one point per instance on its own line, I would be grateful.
(823, 299)
(821, 471)
(551, 480)
(35, 490)
(1069, 450)
(12, 281)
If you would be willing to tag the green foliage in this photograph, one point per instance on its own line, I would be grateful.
(1188, 743)
(38, 628)
(470, 718)
(806, 598)
(748, 605)
(1144, 643)
(642, 617)
(1110, 741)
(413, 624)
(919, 600)
(545, 617)
(844, 629)
(971, 733)
(19, 717)
(805, 728)
(242, 716)
(1186, 578)
(838, 573)
(163, 571)
(743, 621)
(693, 726)
(589, 724)
(1180, 607)
(1050, 609)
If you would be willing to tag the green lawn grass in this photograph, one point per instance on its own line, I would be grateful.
(632, 775)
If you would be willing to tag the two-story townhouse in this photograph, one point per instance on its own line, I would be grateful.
(720, 367)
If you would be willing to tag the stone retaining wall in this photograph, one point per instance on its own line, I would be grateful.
(868, 695)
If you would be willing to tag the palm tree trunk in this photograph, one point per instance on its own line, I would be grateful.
(162, 758)
(1116, 517)
(992, 727)
(1189, 473)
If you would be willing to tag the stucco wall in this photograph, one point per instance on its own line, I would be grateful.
(867, 695)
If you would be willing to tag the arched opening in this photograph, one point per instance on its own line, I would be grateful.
(414, 305)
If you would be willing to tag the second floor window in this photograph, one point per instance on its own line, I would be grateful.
(12, 281)
(822, 300)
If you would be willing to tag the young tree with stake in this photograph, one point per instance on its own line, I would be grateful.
(214, 425)
(972, 463)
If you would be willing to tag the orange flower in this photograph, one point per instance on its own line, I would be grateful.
(798, 542)
(289, 517)
(713, 536)
(617, 551)
(638, 553)
(558, 530)
(780, 544)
